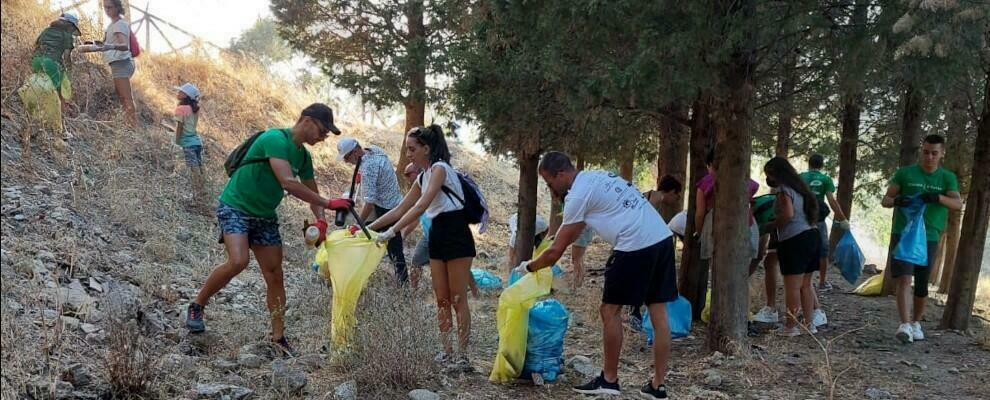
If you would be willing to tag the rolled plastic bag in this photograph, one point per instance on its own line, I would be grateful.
(347, 261)
(512, 320)
(41, 100)
(870, 287)
(486, 280)
(706, 313)
(678, 318)
(913, 246)
(545, 339)
(849, 258)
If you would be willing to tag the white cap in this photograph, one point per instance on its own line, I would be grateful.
(345, 146)
(190, 90)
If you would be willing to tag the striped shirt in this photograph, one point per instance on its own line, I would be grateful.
(378, 180)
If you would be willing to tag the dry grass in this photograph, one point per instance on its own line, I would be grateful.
(129, 365)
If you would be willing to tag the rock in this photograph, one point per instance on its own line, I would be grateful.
(878, 394)
(263, 350)
(713, 378)
(95, 285)
(225, 365)
(77, 375)
(30, 268)
(153, 322)
(49, 315)
(69, 323)
(346, 391)
(199, 343)
(45, 256)
(423, 394)
(176, 361)
(19, 217)
(222, 391)
(89, 328)
(583, 365)
(954, 370)
(74, 298)
(287, 380)
(309, 361)
(248, 360)
(41, 388)
(123, 301)
(96, 338)
(14, 307)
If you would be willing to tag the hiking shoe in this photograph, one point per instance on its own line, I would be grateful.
(599, 386)
(767, 315)
(818, 318)
(827, 287)
(905, 334)
(282, 345)
(916, 333)
(789, 332)
(649, 392)
(194, 318)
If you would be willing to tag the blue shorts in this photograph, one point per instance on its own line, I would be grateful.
(260, 231)
(584, 239)
(193, 155)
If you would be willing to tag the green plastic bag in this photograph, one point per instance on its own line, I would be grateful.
(347, 261)
(41, 100)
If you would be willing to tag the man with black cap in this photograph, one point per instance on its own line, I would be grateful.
(274, 163)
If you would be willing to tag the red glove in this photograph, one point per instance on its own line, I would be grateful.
(340, 204)
(352, 229)
(322, 225)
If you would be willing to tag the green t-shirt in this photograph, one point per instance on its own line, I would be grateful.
(913, 180)
(53, 42)
(819, 183)
(254, 188)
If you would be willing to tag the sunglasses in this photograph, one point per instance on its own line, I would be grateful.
(324, 131)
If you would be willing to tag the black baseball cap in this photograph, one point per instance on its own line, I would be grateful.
(322, 113)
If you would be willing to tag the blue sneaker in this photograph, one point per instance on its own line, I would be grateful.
(194, 319)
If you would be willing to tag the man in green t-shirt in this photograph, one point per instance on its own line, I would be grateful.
(823, 187)
(247, 216)
(926, 181)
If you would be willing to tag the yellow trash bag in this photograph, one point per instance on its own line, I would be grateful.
(706, 313)
(347, 261)
(512, 319)
(66, 88)
(871, 287)
(41, 100)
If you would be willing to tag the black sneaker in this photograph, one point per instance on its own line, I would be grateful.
(649, 392)
(283, 346)
(194, 318)
(599, 386)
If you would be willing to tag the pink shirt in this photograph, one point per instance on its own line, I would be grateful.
(707, 186)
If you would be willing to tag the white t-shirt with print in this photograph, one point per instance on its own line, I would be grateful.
(615, 209)
(443, 202)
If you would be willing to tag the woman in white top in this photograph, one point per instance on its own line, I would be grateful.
(116, 50)
(451, 246)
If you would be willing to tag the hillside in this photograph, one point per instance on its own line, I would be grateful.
(102, 249)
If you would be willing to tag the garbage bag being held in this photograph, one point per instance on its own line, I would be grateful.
(512, 320)
(913, 246)
(348, 261)
(545, 339)
(849, 258)
(41, 100)
(678, 318)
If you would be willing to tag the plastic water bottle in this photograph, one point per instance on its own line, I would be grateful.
(312, 235)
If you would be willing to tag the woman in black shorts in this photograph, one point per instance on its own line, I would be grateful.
(798, 243)
(451, 243)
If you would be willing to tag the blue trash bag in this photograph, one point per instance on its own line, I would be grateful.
(545, 340)
(678, 318)
(913, 246)
(514, 276)
(486, 280)
(849, 258)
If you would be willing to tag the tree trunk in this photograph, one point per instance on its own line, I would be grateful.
(910, 136)
(936, 267)
(785, 119)
(626, 169)
(951, 247)
(556, 216)
(415, 102)
(969, 256)
(580, 164)
(851, 112)
(673, 155)
(692, 281)
(526, 220)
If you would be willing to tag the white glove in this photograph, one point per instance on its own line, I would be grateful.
(522, 269)
(844, 225)
(385, 236)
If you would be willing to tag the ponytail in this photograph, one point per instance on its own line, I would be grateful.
(194, 104)
(432, 136)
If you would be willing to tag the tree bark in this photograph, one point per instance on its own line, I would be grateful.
(951, 247)
(785, 119)
(526, 220)
(851, 112)
(910, 136)
(626, 169)
(673, 155)
(969, 256)
(960, 149)
(415, 102)
(692, 281)
(556, 216)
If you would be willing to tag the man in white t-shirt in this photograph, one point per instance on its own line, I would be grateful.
(640, 269)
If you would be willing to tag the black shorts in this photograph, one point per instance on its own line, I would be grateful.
(772, 242)
(450, 237)
(900, 268)
(643, 276)
(800, 254)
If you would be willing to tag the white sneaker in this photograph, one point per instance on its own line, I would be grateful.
(766, 315)
(905, 334)
(916, 333)
(818, 318)
(812, 330)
